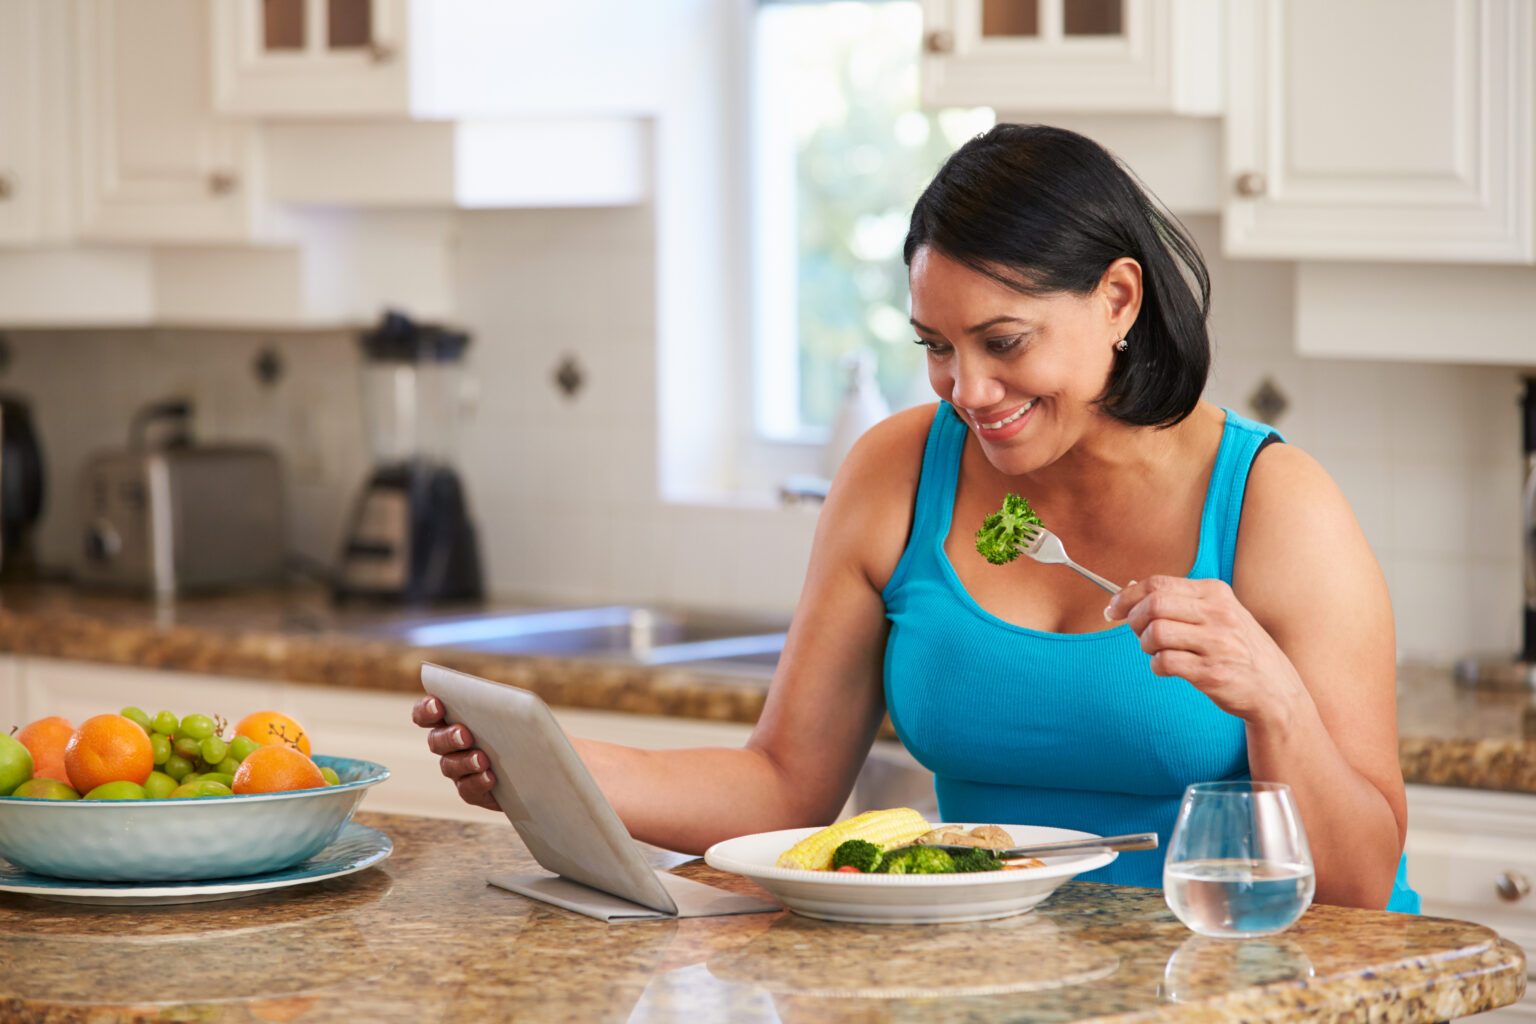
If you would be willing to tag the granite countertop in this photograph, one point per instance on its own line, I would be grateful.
(1449, 735)
(423, 937)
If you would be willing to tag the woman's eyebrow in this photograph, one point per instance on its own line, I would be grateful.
(975, 329)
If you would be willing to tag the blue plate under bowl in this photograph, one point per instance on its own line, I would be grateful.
(182, 840)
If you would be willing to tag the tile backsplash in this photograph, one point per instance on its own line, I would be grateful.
(563, 487)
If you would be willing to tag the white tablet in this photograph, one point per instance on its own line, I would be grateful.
(545, 789)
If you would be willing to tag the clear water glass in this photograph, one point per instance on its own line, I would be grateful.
(1238, 863)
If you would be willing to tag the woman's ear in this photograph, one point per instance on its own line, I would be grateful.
(1121, 288)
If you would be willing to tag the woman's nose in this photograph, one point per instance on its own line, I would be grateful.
(975, 386)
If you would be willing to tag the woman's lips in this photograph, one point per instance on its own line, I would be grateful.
(1006, 427)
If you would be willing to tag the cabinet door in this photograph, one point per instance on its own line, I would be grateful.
(311, 58)
(156, 164)
(1380, 130)
(35, 162)
(1073, 55)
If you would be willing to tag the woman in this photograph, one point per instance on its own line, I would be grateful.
(1064, 321)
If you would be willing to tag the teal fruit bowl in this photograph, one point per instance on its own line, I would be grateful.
(182, 840)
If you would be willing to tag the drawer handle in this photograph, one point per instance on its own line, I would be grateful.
(1512, 886)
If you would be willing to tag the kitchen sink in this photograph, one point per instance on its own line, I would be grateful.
(633, 633)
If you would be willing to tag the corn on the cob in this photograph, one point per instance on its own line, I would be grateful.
(886, 829)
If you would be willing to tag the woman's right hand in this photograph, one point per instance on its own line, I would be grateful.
(463, 762)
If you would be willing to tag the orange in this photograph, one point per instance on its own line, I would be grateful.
(108, 748)
(276, 769)
(46, 739)
(274, 727)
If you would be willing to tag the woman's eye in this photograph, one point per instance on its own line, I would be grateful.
(934, 347)
(1005, 344)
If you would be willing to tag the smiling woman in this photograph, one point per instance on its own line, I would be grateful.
(1062, 318)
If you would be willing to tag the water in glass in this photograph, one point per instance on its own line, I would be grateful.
(1238, 862)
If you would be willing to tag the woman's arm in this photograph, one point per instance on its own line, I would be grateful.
(826, 700)
(1302, 647)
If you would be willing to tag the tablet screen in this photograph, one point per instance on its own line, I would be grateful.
(544, 788)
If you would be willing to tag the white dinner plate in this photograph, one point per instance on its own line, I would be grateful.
(904, 899)
(356, 847)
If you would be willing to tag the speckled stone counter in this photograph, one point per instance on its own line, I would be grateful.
(1449, 735)
(421, 937)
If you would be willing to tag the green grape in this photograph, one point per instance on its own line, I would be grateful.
(241, 746)
(227, 766)
(137, 716)
(190, 777)
(213, 749)
(158, 786)
(165, 722)
(160, 743)
(187, 747)
(123, 790)
(198, 727)
(177, 767)
(219, 777)
(331, 778)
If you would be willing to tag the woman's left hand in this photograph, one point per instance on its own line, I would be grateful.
(1199, 631)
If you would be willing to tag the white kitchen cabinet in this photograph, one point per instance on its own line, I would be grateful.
(311, 57)
(1070, 56)
(155, 163)
(442, 59)
(1472, 856)
(34, 120)
(1380, 130)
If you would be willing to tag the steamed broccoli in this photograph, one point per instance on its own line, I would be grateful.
(975, 859)
(858, 853)
(917, 860)
(1002, 532)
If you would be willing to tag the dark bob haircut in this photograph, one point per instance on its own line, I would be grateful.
(1045, 210)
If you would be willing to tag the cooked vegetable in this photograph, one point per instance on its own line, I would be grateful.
(886, 829)
(1003, 531)
(917, 860)
(859, 854)
(975, 859)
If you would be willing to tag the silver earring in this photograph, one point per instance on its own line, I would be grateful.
(1122, 345)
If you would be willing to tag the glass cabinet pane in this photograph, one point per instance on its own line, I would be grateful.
(1010, 17)
(349, 24)
(282, 24)
(1092, 18)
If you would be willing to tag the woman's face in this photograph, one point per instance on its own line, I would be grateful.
(1024, 371)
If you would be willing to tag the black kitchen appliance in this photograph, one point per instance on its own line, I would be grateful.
(22, 487)
(1518, 672)
(410, 538)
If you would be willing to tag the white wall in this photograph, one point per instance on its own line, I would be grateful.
(565, 489)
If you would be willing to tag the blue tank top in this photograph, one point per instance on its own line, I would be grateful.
(1071, 730)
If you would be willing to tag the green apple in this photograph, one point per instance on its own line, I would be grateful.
(15, 764)
(202, 787)
(44, 788)
(121, 790)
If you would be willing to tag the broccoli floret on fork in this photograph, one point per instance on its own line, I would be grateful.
(1003, 531)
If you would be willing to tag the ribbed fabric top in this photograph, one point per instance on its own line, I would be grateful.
(1071, 730)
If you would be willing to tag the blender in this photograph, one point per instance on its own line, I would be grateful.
(410, 538)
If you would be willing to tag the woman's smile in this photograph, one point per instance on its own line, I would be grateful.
(1002, 427)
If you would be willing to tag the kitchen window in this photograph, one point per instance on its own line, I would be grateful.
(839, 151)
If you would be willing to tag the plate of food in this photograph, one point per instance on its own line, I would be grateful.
(905, 879)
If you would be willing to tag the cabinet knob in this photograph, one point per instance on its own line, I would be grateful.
(222, 183)
(1251, 183)
(6, 189)
(381, 53)
(940, 40)
(1512, 886)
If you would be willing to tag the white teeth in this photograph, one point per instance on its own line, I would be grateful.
(1004, 422)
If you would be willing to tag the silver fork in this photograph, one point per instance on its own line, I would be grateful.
(1044, 546)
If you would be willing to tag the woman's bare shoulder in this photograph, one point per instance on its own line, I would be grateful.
(869, 508)
(1300, 547)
